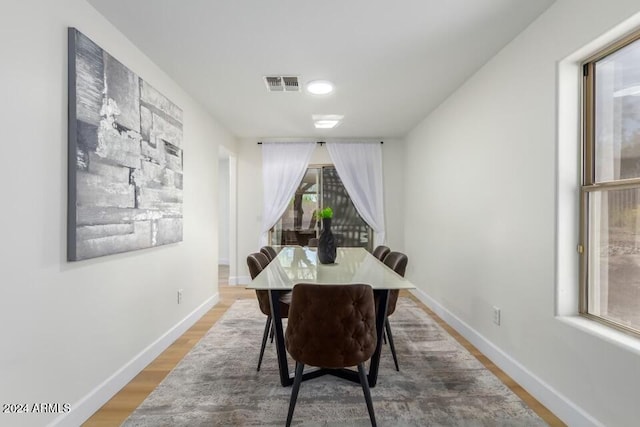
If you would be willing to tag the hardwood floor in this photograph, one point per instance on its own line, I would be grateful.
(116, 410)
(536, 406)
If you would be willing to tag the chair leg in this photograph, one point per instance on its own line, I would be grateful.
(272, 333)
(367, 393)
(294, 391)
(387, 328)
(264, 340)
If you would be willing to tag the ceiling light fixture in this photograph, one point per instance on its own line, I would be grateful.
(326, 124)
(326, 121)
(320, 87)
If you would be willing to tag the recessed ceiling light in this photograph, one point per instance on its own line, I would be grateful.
(320, 87)
(326, 121)
(326, 124)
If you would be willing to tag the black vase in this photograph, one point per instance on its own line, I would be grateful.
(326, 243)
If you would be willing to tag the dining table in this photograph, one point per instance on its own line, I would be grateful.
(297, 264)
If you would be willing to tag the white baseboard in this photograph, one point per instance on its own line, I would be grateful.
(239, 280)
(562, 407)
(88, 405)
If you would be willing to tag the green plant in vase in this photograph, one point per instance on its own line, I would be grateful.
(326, 244)
(324, 213)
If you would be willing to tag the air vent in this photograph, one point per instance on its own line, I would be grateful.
(282, 83)
(291, 84)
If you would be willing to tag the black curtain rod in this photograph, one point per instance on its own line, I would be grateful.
(319, 142)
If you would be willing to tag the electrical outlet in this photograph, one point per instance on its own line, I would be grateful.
(496, 315)
(179, 296)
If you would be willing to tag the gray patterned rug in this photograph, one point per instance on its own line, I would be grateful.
(439, 383)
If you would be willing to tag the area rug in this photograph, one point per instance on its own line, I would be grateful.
(439, 384)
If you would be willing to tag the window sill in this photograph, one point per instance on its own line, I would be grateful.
(603, 332)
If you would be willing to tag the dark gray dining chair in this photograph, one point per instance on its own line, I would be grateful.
(269, 252)
(334, 327)
(257, 262)
(380, 252)
(397, 261)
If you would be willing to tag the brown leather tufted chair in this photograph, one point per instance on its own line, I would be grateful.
(331, 326)
(257, 262)
(380, 252)
(313, 242)
(397, 261)
(269, 252)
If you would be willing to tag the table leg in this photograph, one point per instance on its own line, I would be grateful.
(381, 314)
(283, 366)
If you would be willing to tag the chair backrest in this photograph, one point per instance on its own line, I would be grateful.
(380, 252)
(331, 326)
(256, 262)
(313, 242)
(397, 261)
(269, 252)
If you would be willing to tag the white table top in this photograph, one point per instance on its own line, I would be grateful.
(295, 264)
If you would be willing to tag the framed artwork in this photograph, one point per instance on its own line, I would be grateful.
(125, 177)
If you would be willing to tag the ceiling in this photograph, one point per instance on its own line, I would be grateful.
(391, 62)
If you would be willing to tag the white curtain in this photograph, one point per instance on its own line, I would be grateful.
(359, 165)
(283, 167)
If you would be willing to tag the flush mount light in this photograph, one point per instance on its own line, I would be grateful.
(320, 87)
(326, 124)
(326, 121)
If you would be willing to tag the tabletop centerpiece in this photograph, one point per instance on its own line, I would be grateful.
(326, 243)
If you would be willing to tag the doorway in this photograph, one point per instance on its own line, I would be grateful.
(227, 228)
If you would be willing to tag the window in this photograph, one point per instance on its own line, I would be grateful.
(321, 186)
(610, 195)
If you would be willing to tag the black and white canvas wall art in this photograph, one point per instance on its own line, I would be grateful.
(125, 157)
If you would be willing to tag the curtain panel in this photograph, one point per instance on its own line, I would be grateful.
(359, 165)
(283, 167)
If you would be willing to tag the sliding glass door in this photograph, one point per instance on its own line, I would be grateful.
(297, 224)
(321, 187)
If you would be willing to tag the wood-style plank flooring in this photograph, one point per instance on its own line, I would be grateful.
(116, 410)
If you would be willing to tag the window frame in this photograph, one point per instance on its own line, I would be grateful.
(588, 182)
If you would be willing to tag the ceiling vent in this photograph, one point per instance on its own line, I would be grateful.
(282, 83)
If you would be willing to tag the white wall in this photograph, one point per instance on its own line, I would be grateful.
(393, 158)
(75, 332)
(250, 196)
(481, 187)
